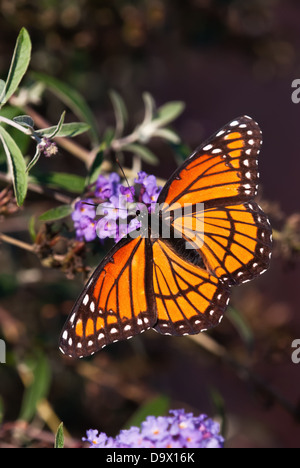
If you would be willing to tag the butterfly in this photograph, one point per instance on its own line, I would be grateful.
(180, 284)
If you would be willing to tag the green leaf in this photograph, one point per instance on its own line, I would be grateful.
(169, 112)
(23, 141)
(167, 134)
(155, 407)
(34, 160)
(59, 438)
(59, 180)
(40, 372)
(31, 228)
(2, 86)
(71, 98)
(242, 327)
(58, 126)
(24, 120)
(54, 214)
(145, 154)
(149, 108)
(16, 164)
(95, 169)
(67, 130)
(121, 113)
(18, 66)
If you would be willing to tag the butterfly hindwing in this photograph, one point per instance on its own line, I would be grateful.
(116, 302)
(234, 241)
(188, 299)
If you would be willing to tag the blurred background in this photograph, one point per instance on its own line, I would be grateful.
(223, 59)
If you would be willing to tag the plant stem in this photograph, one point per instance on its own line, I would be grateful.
(16, 242)
(41, 190)
(19, 127)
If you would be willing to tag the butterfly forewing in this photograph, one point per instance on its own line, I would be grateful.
(222, 170)
(116, 303)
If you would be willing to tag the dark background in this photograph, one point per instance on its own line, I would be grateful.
(223, 59)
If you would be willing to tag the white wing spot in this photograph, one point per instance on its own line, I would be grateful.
(113, 330)
(65, 335)
(90, 343)
(72, 318)
(92, 306)
(85, 299)
(246, 162)
(207, 147)
(217, 150)
(248, 151)
(251, 142)
(234, 123)
(128, 327)
(248, 175)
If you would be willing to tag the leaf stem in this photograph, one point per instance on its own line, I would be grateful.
(16, 242)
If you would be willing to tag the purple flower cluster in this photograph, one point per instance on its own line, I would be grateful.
(118, 207)
(177, 430)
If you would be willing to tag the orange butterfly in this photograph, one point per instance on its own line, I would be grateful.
(153, 281)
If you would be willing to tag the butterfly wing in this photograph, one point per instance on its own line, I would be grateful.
(221, 170)
(188, 299)
(116, 303)
(210, 203)
(234, 240)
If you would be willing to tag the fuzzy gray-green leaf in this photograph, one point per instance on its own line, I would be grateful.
(18, 66)
(16, 164)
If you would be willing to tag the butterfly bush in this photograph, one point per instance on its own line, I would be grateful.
(177, 430)
(117, 202)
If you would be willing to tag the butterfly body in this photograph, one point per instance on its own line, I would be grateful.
(175, 272)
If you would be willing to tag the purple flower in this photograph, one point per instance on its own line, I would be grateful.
(48, 147)
(127, 193)
(149, 189)
(118, 208)
(141, 177)
(106, 187)
(106, 227)
(177, 430)
(84, 208)
(84, 220)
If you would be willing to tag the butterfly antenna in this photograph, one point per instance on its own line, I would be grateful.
(122, 170)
